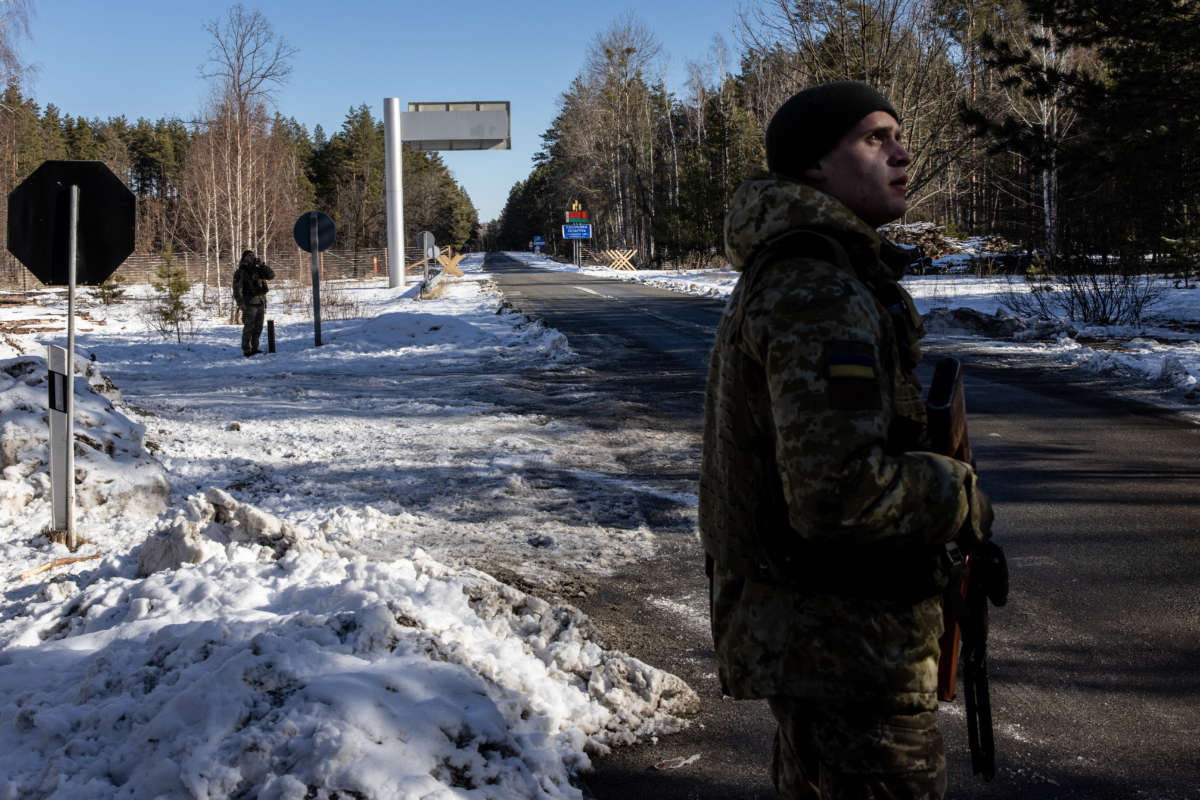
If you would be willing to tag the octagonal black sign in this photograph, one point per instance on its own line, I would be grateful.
(39, 222)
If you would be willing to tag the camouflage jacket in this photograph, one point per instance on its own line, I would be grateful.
(822, 517)
(250, 283)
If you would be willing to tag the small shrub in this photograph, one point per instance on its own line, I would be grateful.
(292, 295)
(337, 304)
(112, 291)
(1184, 260)
(170, 312)
(1084, 290)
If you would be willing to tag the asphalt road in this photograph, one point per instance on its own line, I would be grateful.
(1095, 662)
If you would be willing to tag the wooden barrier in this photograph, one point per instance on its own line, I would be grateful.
(620, 259)
(446, 258)
(449, 262)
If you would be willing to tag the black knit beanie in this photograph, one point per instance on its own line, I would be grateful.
(813, 121)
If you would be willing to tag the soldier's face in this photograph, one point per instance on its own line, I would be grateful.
(868, 170)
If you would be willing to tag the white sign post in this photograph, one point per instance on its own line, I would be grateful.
(482, 125)
(62, 455)
(62, 401)
(394, 171)
(99, 237)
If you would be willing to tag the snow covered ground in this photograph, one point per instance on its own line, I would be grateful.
(332, 637)
(1161, 356)
(292, 594)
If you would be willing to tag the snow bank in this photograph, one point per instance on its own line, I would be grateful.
(112, 467)
(223, 648)
(307, 674)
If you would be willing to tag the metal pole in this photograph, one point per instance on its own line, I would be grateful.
(73, 245)
(316, 276)
(395, 191)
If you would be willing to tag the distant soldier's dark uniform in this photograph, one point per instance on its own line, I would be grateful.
(250, 293)
(823, 517)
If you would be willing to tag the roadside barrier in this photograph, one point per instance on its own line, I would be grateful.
(619, 259)
(431, 287)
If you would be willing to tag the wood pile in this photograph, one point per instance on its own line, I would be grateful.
(996, 244)
(934, 243)
(929, 237)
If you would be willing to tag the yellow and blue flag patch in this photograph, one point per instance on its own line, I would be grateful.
(851, 373)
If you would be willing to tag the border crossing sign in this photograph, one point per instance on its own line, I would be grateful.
(577, 231)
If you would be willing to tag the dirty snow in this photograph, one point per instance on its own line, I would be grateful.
(296, 609)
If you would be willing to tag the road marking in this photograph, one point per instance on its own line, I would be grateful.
(706, 329)
(1032, 561)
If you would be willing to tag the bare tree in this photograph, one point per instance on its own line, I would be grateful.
(14, 23)
(241, 184)
(246, 62)
(200, 202)
(894, 45)
(1040, 104)
(616, 69)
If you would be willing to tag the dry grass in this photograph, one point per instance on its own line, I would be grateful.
(335, 303)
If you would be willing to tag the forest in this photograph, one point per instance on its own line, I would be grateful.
(1064, 126)
(238, 175)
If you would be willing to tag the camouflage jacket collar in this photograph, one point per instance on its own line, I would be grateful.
(762, 210)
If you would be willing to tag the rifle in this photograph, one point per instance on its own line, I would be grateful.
(980, 577)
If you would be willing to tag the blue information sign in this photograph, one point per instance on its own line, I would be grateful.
(539, 241)
(577, 231)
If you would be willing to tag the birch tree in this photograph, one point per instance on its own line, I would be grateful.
(246, 62)
(617, 66)
(14, 24)
(1030, 110)
(894, 45)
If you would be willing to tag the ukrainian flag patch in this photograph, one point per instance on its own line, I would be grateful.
(851, 372)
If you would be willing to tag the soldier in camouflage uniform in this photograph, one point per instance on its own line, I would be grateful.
(823, 516)
(250, 293)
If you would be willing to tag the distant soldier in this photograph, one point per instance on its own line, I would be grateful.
(250, 293)
(823, 517)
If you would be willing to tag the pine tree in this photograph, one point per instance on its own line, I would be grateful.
(1142, 110)
(171, 312)
(112, 291)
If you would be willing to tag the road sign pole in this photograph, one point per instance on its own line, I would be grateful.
(394, 180)
(72, 249)
(316, 276)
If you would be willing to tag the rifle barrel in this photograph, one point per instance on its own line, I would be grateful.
(979, 711)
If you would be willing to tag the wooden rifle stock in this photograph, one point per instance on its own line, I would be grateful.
(946, 410)
(965, 601)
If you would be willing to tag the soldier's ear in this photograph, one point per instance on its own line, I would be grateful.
(816, 174)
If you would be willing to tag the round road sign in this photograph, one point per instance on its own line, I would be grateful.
(302, 232)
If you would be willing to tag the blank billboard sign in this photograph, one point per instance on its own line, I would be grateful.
(457, 126)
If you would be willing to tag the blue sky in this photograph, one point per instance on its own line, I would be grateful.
(142, 59)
